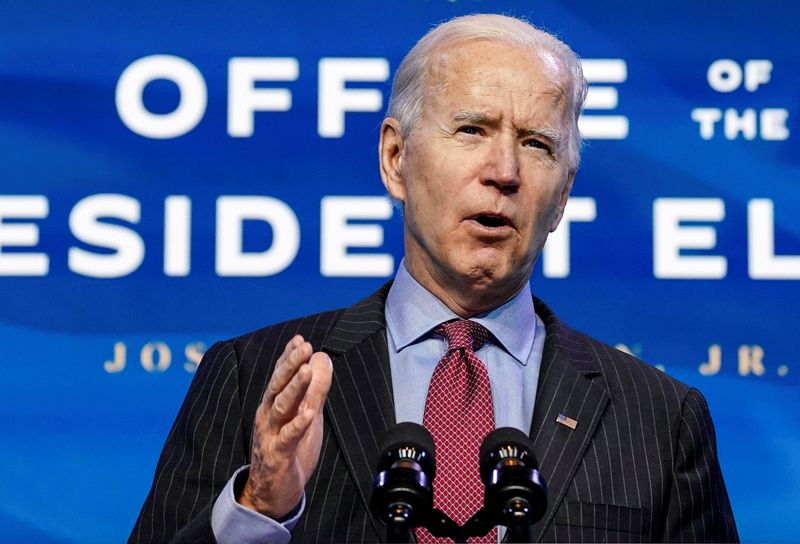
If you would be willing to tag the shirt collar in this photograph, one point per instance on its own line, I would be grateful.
(412, 312)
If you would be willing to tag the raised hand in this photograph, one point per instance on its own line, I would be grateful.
(287, 433)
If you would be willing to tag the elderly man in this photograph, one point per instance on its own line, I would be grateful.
(280, 430)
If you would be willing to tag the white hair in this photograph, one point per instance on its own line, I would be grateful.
(408, 88)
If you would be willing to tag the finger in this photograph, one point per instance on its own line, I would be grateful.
(321, 378)
(286, 404)
(292, 433)
(296, 353)
(310, 408)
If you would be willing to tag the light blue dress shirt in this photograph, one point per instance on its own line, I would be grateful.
(512, 357)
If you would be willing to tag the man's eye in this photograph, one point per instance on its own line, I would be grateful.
(537, 144)
(469, 130)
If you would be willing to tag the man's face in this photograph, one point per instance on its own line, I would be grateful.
(485, 175)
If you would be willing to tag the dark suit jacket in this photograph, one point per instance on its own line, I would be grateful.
(641, 465)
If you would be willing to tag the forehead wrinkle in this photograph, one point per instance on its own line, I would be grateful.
(436, 71)
(440, 77)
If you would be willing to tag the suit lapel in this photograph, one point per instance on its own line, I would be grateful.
(565, 388)
(360, 404)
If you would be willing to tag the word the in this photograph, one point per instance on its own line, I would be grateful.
(726, 76)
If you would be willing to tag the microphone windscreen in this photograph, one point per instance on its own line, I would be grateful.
(412, 435)
(515, 443)
(505, 435)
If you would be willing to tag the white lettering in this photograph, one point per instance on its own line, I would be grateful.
(177, 235)
(338, 236)
(244, 98)
(724, 75)
(669, 237)
(556, 254)
(756, 73)
(762, 262)
(773, 124)
(744, 123)
(707, 118)
(127, 245)
(231, 259)
(22, 235)
(611, 127)
(335, 99)
(191, 107)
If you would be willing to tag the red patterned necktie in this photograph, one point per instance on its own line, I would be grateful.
(459, 415)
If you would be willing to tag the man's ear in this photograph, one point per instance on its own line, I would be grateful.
(563, 202)
(390, 155)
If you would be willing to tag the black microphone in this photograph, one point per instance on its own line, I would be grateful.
(402, 492)
(516, 494)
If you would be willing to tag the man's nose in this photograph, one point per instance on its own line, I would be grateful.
(502, 168)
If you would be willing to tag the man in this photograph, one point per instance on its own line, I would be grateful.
(480, 146)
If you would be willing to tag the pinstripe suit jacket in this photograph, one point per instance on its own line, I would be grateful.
(641, 465)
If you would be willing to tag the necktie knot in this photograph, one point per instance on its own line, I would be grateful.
(463, 333)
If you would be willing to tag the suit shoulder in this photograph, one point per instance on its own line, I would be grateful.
(616, 361)
(621, 371)
(636, 386)
(314, 328)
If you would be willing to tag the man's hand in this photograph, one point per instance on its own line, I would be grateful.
(287, 434)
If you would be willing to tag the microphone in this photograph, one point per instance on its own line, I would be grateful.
(516, 494)
(402, 492)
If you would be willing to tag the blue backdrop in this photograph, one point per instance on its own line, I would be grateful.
(122, 255)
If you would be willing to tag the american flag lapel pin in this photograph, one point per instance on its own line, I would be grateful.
(566, 421)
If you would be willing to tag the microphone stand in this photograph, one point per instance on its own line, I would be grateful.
(519, 527)
(438, 524)
(397, 528)
(479, 524)
(518, 516)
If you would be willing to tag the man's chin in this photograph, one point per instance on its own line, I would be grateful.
(488, 278)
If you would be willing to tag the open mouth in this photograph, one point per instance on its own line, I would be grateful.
(492, 221)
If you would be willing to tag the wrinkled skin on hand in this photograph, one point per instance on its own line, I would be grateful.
(287, 433)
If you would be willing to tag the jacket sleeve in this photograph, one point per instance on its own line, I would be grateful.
(698, 508)
(204, 448)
